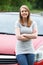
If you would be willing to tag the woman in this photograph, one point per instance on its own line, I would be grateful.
(26, 30)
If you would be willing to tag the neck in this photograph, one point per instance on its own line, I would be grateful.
(25, 20)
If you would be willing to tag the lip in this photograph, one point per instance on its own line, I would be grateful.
(24, 14)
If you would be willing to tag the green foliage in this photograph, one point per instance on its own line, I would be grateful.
(5, 8)
(29, 5)
(3, 2)
(37, 4)
(14, 5)
(17, 2)
(5, 5)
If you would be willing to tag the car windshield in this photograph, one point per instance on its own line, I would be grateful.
(8, 20)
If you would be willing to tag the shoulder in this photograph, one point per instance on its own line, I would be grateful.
(34, 23)
(17, 23)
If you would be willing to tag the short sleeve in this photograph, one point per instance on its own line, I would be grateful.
(17, 24)
(34, 27)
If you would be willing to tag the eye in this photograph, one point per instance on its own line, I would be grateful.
(22, 11)
(26, 11)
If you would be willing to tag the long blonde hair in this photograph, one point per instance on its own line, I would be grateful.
(28, 18)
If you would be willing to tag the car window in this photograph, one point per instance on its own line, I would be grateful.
(8, 20)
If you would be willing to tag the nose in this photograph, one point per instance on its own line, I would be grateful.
(24, 12)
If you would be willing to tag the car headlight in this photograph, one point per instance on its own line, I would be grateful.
(38, 56)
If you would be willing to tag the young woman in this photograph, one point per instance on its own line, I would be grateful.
(26, 30)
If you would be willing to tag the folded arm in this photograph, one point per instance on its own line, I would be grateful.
(20, 36)
(33, 35)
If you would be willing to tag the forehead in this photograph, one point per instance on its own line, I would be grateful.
(23, 9)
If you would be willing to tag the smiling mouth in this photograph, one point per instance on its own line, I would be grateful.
(24, 14)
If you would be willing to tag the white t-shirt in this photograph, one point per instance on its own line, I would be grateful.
(25, 47)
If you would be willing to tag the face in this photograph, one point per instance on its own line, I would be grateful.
(24, 12)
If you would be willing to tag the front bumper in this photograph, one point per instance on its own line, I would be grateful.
(8, 59)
